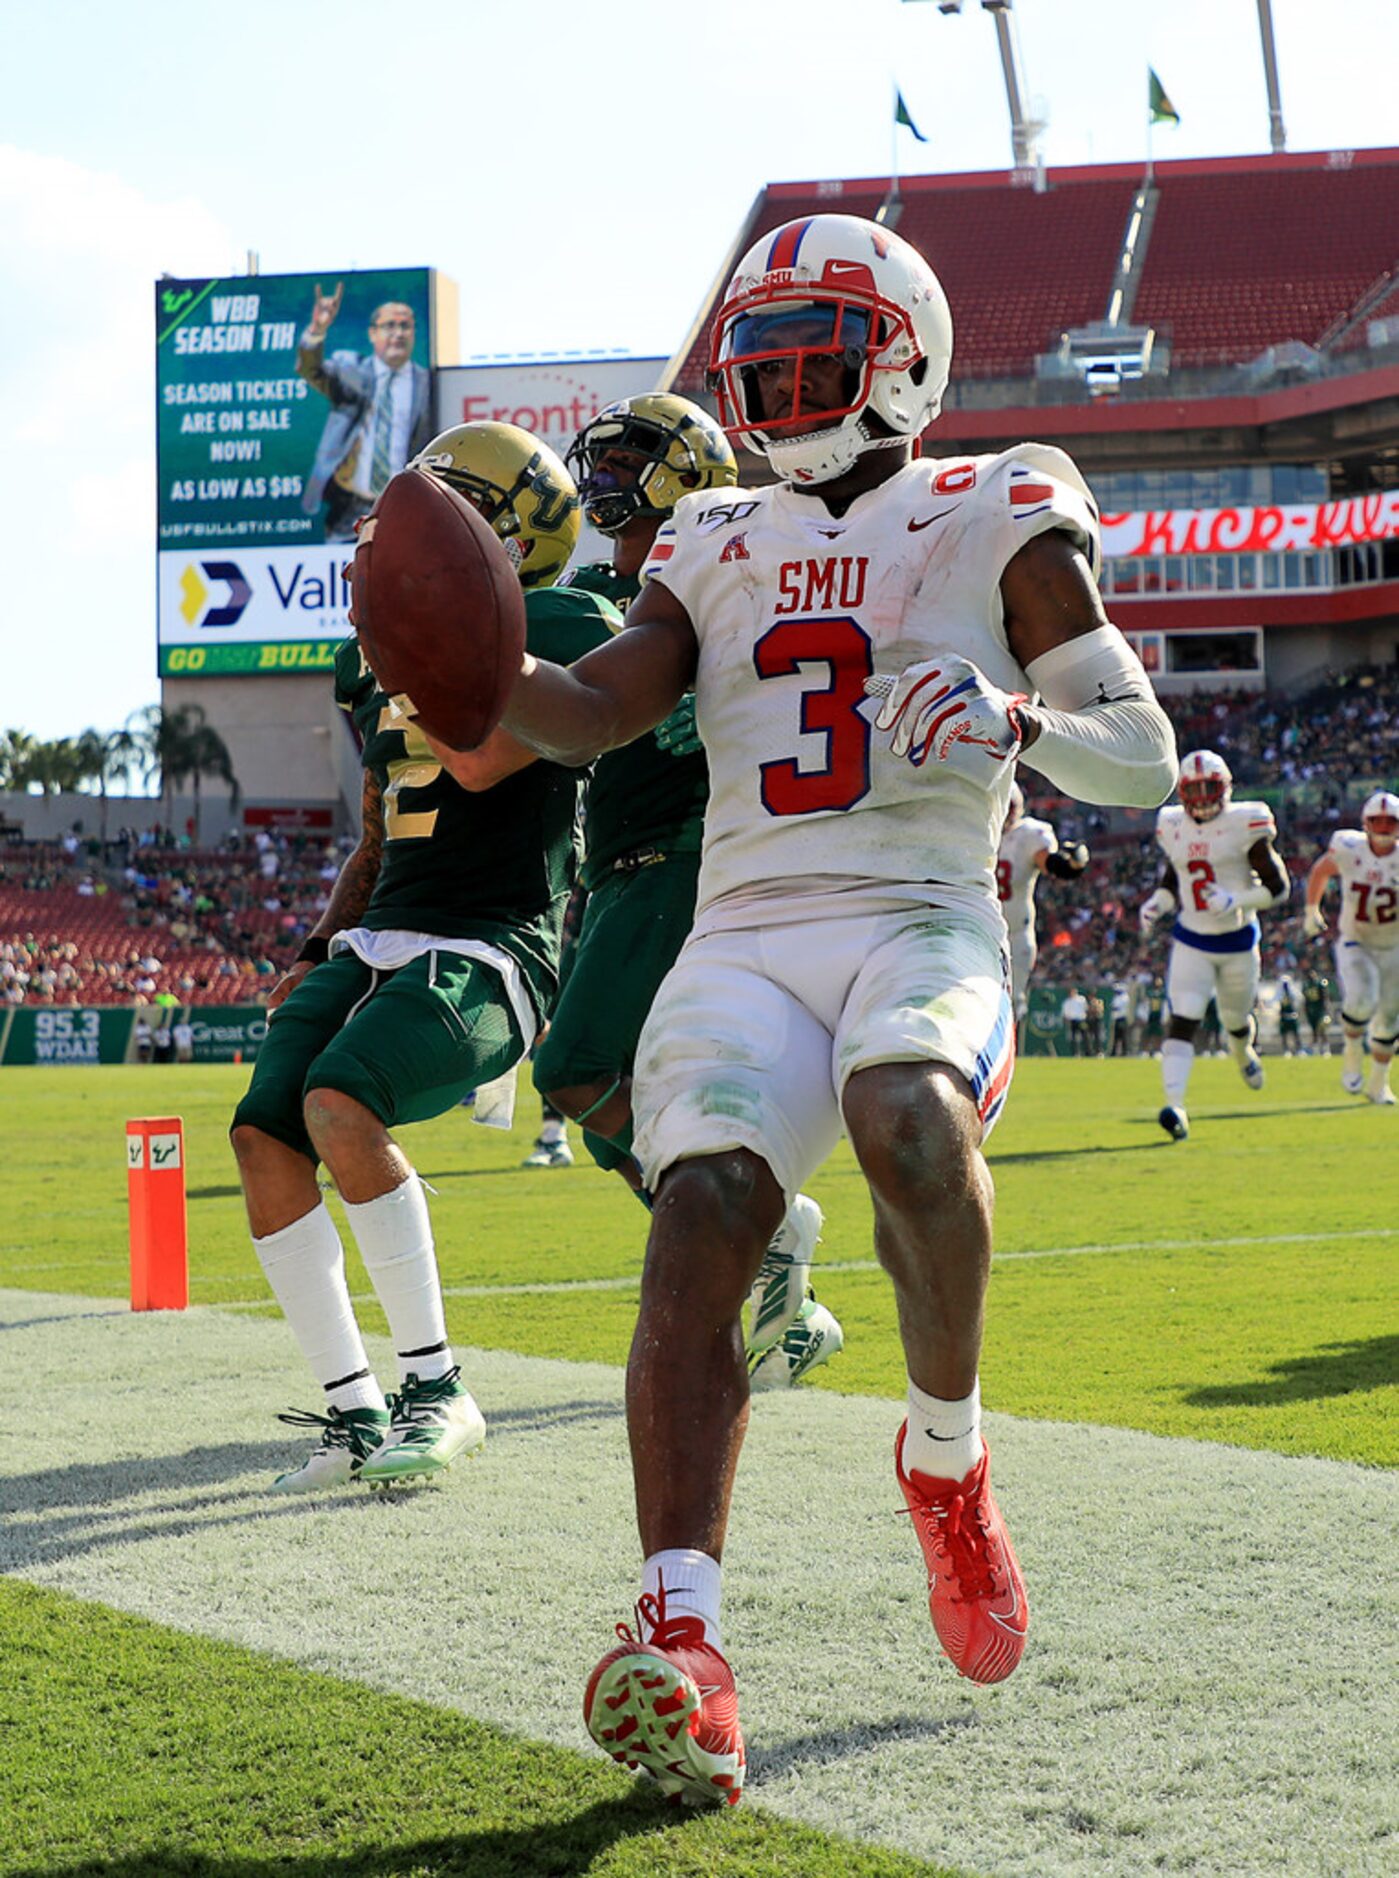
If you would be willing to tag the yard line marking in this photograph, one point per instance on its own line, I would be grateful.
(562, 1286)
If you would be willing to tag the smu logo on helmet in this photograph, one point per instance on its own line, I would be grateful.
(196, 594)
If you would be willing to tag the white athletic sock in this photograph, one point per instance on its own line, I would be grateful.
(1177, 1059)
(1353, 1053)
(305, 1266)
(692, 1587)
(1379, 1070)
(394, 1236)
(552, 1131)
(943, 1438)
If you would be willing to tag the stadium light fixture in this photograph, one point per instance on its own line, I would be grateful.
(1023, 130)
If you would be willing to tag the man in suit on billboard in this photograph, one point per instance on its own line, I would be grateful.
(380, 410)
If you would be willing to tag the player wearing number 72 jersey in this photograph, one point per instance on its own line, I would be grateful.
(1366, 862)
(1221, 866)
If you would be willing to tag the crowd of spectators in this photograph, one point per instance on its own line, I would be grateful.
(149, 919)
(146, 917)
(1313, 756)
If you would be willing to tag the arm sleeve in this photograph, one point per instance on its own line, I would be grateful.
(1103, 737)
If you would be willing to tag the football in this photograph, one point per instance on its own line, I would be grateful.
(438, 608)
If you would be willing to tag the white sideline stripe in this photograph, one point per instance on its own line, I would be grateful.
(632, 1280)
(1240, 1603)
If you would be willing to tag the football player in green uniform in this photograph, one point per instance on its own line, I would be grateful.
(427, 976)
(1316, 999)
(1289, 1018)
(644, 829)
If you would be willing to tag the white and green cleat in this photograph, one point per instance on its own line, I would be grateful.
(433, 1419)
(813, 1337)
(784, 1276)
(348, 1438)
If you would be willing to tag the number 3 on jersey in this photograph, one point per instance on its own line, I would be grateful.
(833, 710)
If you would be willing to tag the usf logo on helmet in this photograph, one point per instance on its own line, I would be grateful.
(639, 455)
(520, 487)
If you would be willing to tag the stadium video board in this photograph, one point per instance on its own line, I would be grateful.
(283, 402)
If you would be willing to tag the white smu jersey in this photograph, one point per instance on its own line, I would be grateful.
(1369, 889)
(793, 609)
(1217, 850)
(1016, 873)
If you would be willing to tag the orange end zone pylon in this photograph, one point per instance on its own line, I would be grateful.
(155, 1191)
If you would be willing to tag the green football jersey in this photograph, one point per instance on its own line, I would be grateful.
(496, 865)
(640, 796)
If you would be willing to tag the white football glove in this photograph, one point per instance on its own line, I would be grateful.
(1157, 906)
(1218, 899)
(1313, 922)
(947, 709)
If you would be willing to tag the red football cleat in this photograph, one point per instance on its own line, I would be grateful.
(975, 1591)
(668, 1707)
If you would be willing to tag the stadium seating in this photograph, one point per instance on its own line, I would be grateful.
(1244, 253)
(1250, 257)
(139, 924)
(203, 917)
(1065, 241)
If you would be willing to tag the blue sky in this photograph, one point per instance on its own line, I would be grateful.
(578, 170)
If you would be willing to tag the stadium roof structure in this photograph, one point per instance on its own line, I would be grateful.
(1258, 292)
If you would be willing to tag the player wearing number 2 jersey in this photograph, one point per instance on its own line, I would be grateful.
(864, 641)
(1029, 848)
(427, 976)
(1366, 862)
(1221, 866)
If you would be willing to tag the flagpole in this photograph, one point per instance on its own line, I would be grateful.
(892, 193)
(1150, 120)
(894, 148)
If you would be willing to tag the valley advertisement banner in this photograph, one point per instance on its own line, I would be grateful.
(267, 386)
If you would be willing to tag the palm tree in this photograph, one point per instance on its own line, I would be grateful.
(17, 752)
(106, 755)
(182, 743)
(58, 766)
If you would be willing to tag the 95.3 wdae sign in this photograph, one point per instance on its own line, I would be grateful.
(283, 404)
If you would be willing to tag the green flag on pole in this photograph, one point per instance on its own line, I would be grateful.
(901, 116)
(1161, 109)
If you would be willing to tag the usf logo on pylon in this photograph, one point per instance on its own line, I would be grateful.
(196, 593)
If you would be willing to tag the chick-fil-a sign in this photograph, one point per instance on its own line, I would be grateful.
(1253, 531)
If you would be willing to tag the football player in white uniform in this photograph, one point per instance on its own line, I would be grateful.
(1028, 849)
(1366, 862)
(847, 962)
(1221, 867)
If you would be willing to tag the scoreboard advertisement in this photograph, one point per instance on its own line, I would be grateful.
(283, 402)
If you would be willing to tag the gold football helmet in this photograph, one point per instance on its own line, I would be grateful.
(519, 486)
(677, 448)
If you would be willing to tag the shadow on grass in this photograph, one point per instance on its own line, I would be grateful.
(97, 1486)
(1070, 1154)
(562, 1849)
(1332, 1369)
(833, 1745)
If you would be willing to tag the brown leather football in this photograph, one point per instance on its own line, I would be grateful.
(438, 608)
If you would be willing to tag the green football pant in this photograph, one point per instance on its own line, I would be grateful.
(407, 1044)
(635, 924)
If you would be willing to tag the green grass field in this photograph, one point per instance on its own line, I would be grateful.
(1235, 1289)
(1232, 1288)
